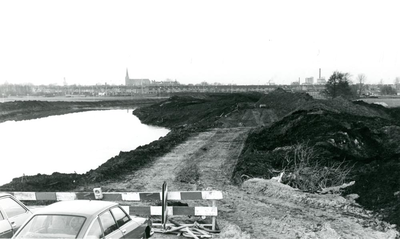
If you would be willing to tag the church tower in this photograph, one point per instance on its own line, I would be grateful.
(127, 77)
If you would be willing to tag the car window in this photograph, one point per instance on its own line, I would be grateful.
(120, 216)
(1, 216)
(108, 223)
(11, 207)
(37, 224)
(52, 226)
(95, 230)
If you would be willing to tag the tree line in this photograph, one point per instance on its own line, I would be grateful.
(339, 84)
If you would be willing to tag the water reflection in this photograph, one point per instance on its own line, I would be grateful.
(70, 143)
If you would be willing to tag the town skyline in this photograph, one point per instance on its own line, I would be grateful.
(228, 42)
(353, 80)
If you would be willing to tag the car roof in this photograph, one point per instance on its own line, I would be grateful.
(4, 194)
(84, 208)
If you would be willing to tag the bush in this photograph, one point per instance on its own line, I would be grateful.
(305, 170)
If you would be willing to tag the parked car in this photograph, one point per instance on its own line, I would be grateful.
(13, 214)
(84, 219)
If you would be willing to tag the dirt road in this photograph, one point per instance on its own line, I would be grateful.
(259, 208)
(214, 151)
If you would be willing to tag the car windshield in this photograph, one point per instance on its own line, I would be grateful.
(52, 226)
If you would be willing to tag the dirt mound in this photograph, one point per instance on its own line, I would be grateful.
(283, 102)
(182, 111)
(337, 135)
(341, 105)
(295, 214)
(365, 140)
(42, 182)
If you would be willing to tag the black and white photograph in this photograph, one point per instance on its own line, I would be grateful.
(200, 119)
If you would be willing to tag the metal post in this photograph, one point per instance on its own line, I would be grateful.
(214, 218)
(164, 204)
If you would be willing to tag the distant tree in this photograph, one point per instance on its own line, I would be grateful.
(388, 90)
(361, 80)
(338, 85)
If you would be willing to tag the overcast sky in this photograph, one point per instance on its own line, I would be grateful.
(230, 42)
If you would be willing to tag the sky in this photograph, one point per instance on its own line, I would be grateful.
(227, 42)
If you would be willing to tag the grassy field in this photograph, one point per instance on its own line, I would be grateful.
(391, 102)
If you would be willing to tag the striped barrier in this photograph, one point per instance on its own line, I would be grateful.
(137, 197)
(118, 196)
(171, 210)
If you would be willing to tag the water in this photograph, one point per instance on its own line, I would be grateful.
(69, 143)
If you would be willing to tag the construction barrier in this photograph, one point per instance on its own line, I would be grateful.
(118, 196)
(164, 211)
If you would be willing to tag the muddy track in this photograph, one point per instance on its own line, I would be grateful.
(215, 151)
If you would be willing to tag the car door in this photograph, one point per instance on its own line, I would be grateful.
(15, 213)
(109, 226)
(5, 227)
(129, 228)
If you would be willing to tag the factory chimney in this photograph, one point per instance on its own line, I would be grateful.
(319, 73)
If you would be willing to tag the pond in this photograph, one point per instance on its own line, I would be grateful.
(69, 143)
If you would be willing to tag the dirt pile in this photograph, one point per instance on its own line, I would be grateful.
(201, 112)
(312, 215)
(359, 136)
(283, 102)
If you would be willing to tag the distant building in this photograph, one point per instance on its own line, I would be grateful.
(309, 81)
(167, 82)
(135, 82)
(321, 81)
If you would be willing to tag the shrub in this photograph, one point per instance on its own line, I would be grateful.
(306, 171)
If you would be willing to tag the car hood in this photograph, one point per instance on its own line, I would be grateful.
(138, 220)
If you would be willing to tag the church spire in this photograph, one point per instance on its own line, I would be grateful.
(127, 75)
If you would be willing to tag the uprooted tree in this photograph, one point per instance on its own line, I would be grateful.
(338, 85)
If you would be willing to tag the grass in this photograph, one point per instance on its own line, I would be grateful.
(188, 174)
(306, 172)
(391, 102)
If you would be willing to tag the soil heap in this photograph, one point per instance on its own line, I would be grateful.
(356, 140)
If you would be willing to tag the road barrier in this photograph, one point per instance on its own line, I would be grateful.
(164, 211)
